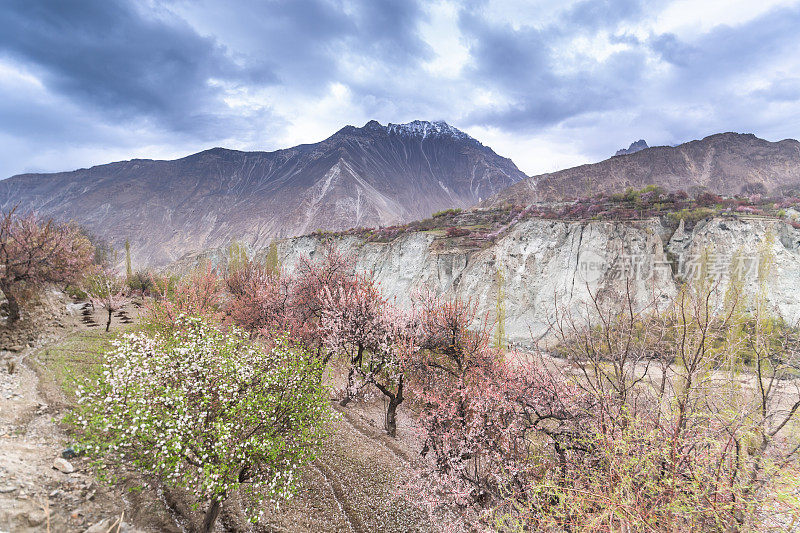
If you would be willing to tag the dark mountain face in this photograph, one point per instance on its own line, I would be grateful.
(633, 148)
(370, 176)
(725, 163)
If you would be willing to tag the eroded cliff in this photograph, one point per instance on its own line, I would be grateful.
(550, 267)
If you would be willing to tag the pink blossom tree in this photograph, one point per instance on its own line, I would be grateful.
(484, 412)
(33, 252)
(196, 294)
(313, 278)
(259, 299)
(358, 325)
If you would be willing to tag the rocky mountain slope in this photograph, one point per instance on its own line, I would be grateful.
(725, 163)
(551, 265)
(369, 176)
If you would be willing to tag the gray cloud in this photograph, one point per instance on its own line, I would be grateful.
(727, 53)
(122, 76)
(303, 40)
(526, 64)
(109, 55)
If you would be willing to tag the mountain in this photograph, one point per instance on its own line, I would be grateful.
(633, 148)
(725, 163)
(369, 176)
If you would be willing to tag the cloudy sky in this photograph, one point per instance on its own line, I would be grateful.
(550, 84)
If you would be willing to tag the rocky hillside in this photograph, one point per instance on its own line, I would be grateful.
(370, 176)
(549, 264)
(726, 163)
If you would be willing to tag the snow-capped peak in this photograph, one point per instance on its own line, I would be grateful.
(423, 128)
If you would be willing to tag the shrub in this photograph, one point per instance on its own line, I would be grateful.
(453, 231)
(690, 216)
(76, 293)
(706, 199)
(447, 212)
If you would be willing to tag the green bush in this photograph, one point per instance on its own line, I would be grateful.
(447, 212)
(76, 293)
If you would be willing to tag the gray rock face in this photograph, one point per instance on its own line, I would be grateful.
(370, 176)
(554, 265)
(633, 148)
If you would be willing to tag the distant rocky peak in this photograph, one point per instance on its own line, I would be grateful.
(423, 128)
(633, 148)
(374, 125)
(416, 128)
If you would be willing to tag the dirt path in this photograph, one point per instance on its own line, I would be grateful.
(357, 484)
(352, 518)
(355, 419)
(34, 494)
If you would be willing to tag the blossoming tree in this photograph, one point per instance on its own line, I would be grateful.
(34, 252)
(206, 410)
(313, 278)
(107, 290)
(359, 326)
(259, 299)
(197, 293)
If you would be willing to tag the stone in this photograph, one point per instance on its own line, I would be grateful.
(35, 518)
(105, 525)
(5, 489)
(63, 465)
(69, 453)
(100, 527)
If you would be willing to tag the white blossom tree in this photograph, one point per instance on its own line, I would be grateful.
(207, 410)
(107, 290)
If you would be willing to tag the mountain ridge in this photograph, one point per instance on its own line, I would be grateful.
(725, 163)
(374, 175)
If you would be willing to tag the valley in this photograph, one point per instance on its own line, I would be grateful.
(449, 365)
(358, 266)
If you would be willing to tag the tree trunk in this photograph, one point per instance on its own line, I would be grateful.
(347, 394)
(351, 377)
(391, 410)
(108, 324)
(13, 307)
(211, 516)
(391, 418)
